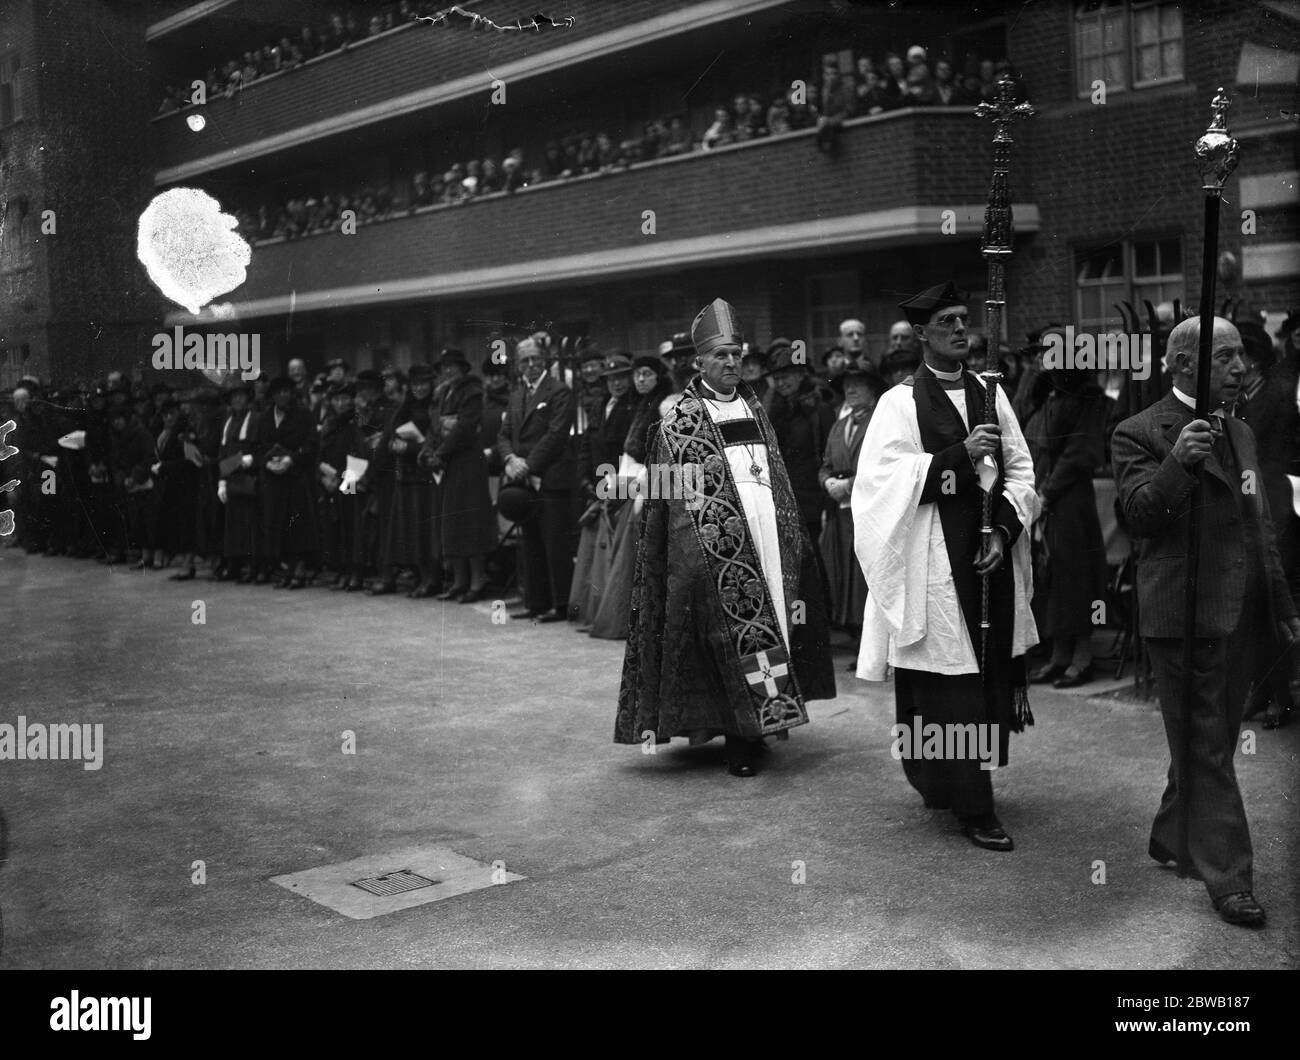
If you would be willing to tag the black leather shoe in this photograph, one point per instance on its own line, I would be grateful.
(262, 578)
(1073, 677)
(454, 593)
(183, 576)
(1241, 909)
(473, 596)
(990, 838)
(382, 589)
(740, 757)
(420, 592)
(1046, 674)
(552, 616)
(298, 581)
(354, 585)
(527, 614)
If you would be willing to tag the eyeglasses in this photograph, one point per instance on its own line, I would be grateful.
(950, 320)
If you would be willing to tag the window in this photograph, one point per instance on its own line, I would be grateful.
(1127, 44)
(652, 318)
(1131, 271)
(11, 101)
(16, 239)
(832, 298)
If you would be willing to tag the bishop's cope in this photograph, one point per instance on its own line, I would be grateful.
(728, 632)
(926, 462)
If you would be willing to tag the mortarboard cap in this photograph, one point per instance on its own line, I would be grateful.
(919, 308)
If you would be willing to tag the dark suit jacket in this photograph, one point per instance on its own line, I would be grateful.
(603, 441)
(1238, 547)
(536, 428)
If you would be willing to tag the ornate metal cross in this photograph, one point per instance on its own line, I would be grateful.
(996, 246)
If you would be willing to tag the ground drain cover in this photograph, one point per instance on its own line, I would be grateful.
(369, 886)
(398, 882)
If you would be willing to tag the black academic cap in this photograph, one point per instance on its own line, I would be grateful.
(919, 308)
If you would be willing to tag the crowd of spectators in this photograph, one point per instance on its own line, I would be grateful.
(291, 50)
(821, 104)
(358, 481)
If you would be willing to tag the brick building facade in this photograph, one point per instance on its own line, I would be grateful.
(74, 176)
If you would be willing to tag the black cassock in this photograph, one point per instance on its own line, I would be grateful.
(288, 499)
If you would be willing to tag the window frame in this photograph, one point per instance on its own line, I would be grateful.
(1129, 46)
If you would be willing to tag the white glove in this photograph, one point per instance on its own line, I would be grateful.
(246, 460)
(221, 491)
(156, 468)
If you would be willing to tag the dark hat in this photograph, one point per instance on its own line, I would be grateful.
(492, 367)
(169, 405)
(420, 373)
(682, 344)
(868, 374)
(281, 382)
(262, 377)
(516, 502)
(617, 364)
(451, 355)
(390, 370)
(204, 395)
(900, 360)
(590, 352)
(319, 383)
(338, 362)
(654, 363)
(919, 308)
(369, 377)
(715, 325)
(338, 389)
(238, 386)
(780, 355)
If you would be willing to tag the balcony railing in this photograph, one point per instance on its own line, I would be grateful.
(892, 182)
(406, 70)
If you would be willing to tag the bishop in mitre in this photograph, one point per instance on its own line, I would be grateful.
(728, 632)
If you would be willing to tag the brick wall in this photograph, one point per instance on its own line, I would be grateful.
(883, 164)
(24, 290)
(92, 103)
(1125, 169)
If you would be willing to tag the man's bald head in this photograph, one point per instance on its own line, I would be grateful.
(1185, 339)
(1182, 352)
(901, 336)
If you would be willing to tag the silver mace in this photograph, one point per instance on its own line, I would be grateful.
(996, 248)
(1216, 158)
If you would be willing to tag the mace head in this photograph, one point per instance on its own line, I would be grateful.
(1216, 150)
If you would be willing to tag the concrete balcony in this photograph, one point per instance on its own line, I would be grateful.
(383, 80)
(893, 179)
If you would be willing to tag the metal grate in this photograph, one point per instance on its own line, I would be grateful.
(398, 882)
